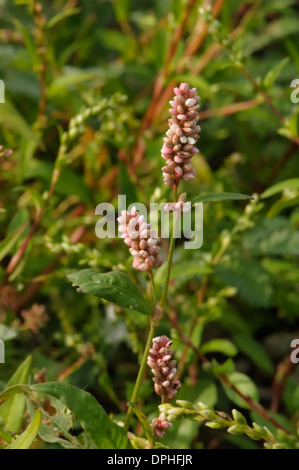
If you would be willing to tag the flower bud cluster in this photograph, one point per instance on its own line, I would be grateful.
(163, 367)
(179, 145)
(160, 425)
(178, 207)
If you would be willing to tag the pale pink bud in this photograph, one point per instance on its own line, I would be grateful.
(160, 425)
(163, 367)
(178, 147)
(141, 239)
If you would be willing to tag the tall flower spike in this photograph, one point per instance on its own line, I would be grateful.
(163, 367)
(138, 235)
(178, 148)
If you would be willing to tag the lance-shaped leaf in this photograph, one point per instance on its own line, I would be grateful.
(25, 440)
(291, 184)
(216, 197)
(12, 410)
(114, 286)
(94, 420)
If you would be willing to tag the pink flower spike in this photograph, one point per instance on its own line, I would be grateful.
(141, 239)
(182, 135)
(160, 360)
(160, 425)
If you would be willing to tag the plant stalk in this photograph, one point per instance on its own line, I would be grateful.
(139, 377)
(153, 324)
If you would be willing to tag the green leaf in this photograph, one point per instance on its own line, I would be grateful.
(69, 182)
(13, 390)
(58, 424)
(285, 132)
(114, 286)
(186, 433)
(35, 198)
(126, 186)
(255, 351)
(282, 204)
(19, 218)
(245, 385)
(215, 197)
(227, 367)
(72, 79)
(274, 73)
(208, 393)
(114, 39)
(10, 117)
(122, 9)
(183, 271)
(219, 345)
(238, 417)
(291, 184)
(159, 48)
(291, 396)
(250, 278)
(242, 442)
(188, 269)
(292, 124)
(198, 81)
(177, 8)
(293, 51)
(5, 436)
(283, 420)
(11, 411)
(29, 42)
(25, 440)
(93, 418)
(274, 237)
(8, 243)
(61, 16)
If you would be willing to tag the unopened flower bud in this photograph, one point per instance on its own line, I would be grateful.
(160, 425)
(163, 367)
(144, 246)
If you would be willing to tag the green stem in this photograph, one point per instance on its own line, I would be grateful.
(153, 287)
(169, 261)
(168, 269)
(139, 377)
